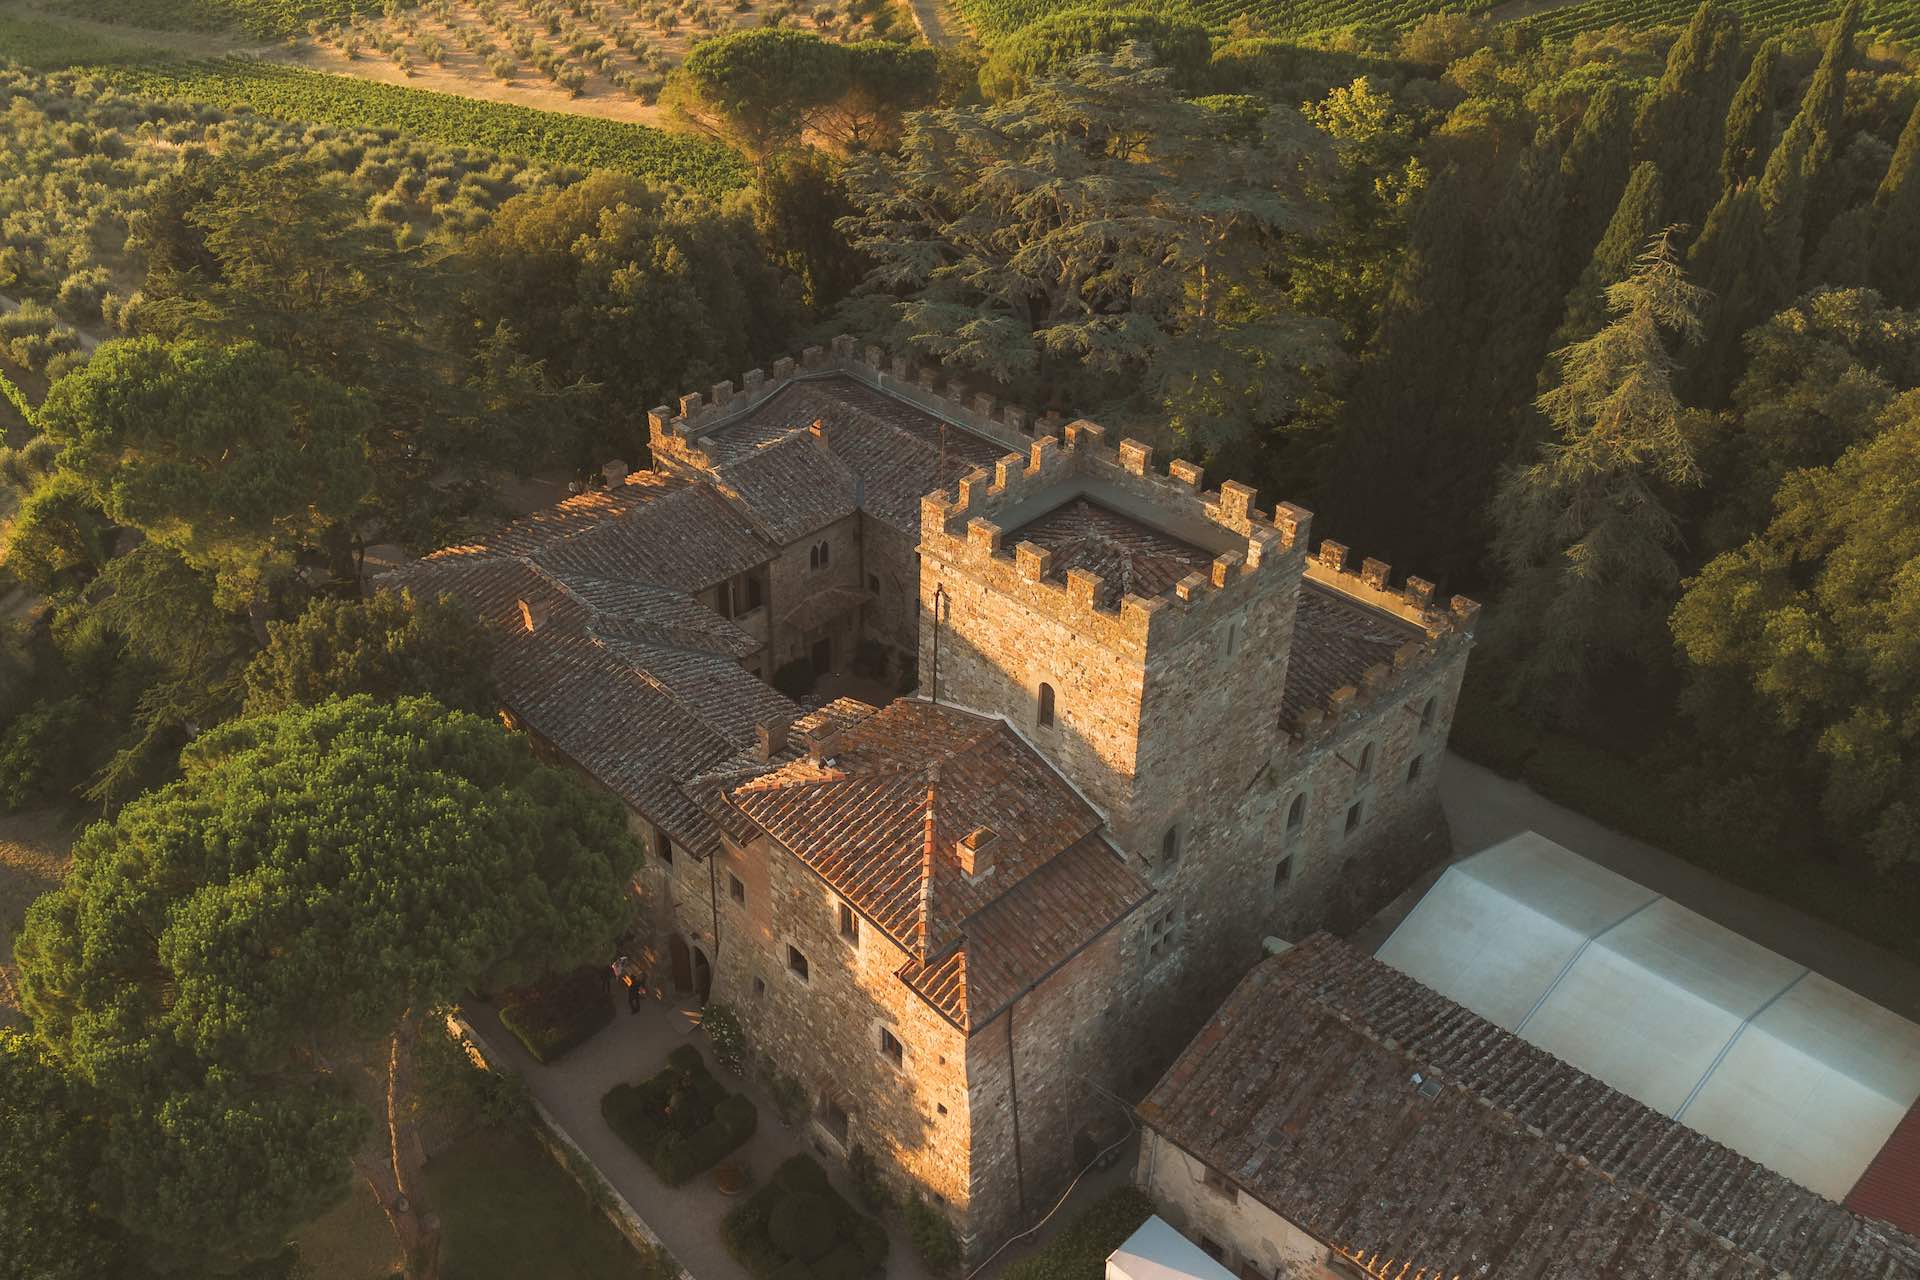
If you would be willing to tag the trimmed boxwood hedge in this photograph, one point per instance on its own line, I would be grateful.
(853, 1249)
(1080, 1251)
(681, 1121)
(557, 1015)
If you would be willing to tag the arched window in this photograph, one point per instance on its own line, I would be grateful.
(1426, 713)
(826, 554)
(1297, 813)
(813, 558)
(1366, 761)
(1045, 713)
(1170, 847)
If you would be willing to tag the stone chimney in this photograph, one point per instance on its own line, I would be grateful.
(773, 739)
(533, 615)
(615, 473)
(976, 852)
(822, 741)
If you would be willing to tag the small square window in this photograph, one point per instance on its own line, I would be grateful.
(891, 1047)
(1353, 817)
(1283, 872)
(849, 924)
(1219, 1184)
(1213, 1248)
(759, 985)
(735, 889)
(797, 962)
(940, 1107)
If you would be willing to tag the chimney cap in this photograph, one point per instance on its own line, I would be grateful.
(821, 740)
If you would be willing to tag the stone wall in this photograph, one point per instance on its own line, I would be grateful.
(1247, 1234)
(891, 562)
(793, 578)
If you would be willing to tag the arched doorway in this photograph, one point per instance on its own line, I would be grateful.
(681, 962)
(702, 976)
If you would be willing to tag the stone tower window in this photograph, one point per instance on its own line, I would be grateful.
(1366, 761)
(891, 1048)
(849, 925)
(1297, 813)
(1413, 769)
(1044, 714)
(1427, 713)
(819, 556)
(1283, 872)
(1353, 817)
(1170, 847)
(736, 890)
(797, 962)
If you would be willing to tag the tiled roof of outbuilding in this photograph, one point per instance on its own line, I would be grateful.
(859, 817)
(1302, 1091)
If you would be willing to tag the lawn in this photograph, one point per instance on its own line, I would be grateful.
(509, 1212)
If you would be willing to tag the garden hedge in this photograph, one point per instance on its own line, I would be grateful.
(681, 1121)
(559, 1014)
(854, 1248)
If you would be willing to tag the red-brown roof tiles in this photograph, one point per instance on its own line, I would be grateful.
(1889, 1188)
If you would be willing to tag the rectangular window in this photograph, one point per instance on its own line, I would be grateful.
(797, 962)
(837, 1122)
(1218, 1183)
(662, 847)
(1213, 1248)
(736, 889)
(754, 593)
(1413, 769)
(849, 924)
(1283, 872)
(891, 1048)
(1353, 817)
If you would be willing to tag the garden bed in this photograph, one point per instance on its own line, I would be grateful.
(558, 1015)
(798, 1227)
(682, 1121)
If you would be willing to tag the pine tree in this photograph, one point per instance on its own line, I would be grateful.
(1749, 130)
(1734, 261)
(1586, 535)
(1593, 172)
(1793, 190)
(1636, 217)
(1682, 123)
(1894, 261)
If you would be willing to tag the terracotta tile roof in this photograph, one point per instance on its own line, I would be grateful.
(1335, 640)
(793, 486)
(1128, 556)
(1889, 1187)
(880, 816)
(1508, 1163)
(889, 451)
(687, 539)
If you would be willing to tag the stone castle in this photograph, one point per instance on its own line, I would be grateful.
(1142, 727)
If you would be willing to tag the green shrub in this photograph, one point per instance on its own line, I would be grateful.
(801, 1226)
(724, 1033)
(559, 1014)
(1080, 1251)
(932, 1236)
(857, 1247)
(867, 1182)
(681, 1121)
(40, 753)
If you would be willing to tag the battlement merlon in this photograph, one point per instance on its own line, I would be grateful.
(1371, 584)
(1252, 550)
(675, 431)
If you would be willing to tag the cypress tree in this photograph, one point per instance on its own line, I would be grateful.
(1842, 256)
(1734, 261)
(1750, 119)
(1593, 172)
(1639, 213)
(1682, 123)
(1793, 191)
(1893, 262)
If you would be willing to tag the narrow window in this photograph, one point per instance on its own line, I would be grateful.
(662, 847)
(1353, 817)
(1413, 769)
(873, 583)
(723, 599)
(826, 554)
(849, 924)
(1366, 761)
(891, 1048)
(1233, 636)
(1427, 712)
(797, 962)
(754, 589)
(759, 985)
(813, 557)
(1283, 872)
(837, 1121)
(1297, 813)
(1170, 847)
(1213, 1248)
(1045, 716)
(736, 889)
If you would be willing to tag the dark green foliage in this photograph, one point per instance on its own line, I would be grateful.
(932, 1236)
(60, 538)
(1056, 42)
(797, 203)
(1793, 186)
(867, 1182)
(859, 1244)
(1681, 125)
(1749, 131)
(49, 1148)
(387, 645)
(1734, 261)
(801, 1226)
(558, 1013)
(1895, 265)
(1637, 217)
(681, 1121)
(41, 753)
(1079, 1251)
(1593, 174)
(756, 89)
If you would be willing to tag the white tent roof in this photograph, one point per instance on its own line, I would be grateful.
(1744, 1045)
(1157, 1252)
